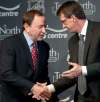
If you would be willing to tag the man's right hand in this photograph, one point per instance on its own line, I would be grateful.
(40, 91)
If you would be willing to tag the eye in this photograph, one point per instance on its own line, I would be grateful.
(42, 26)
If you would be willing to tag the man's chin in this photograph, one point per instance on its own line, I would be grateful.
(40, 39)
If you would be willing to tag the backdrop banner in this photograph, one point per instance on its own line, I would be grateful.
(11, 23)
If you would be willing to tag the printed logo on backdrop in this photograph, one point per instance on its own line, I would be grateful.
(56, 76)
(5, 30)
(9, 11)
(36, 4)
(55, 7)
(53, 33)
(89, 7)
(53, 55)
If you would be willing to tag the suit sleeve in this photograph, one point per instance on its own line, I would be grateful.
(93, 71)
(8, 72)
(63, 83)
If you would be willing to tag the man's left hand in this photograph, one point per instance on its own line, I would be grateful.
(74, 72)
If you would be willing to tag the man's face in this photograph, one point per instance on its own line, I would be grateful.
(69, 23)
(37, 28)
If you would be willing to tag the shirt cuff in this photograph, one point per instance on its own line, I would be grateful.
(84, 70)
(51, 88)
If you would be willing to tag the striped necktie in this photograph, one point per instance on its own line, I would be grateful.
(34, 56)
(81, 79)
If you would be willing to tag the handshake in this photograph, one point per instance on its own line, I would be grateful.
(40, 91)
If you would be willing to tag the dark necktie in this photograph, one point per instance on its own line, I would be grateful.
(81, 79)
(34, 55)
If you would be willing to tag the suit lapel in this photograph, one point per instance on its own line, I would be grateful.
(25, 46)
(74, 48)
(88, 40)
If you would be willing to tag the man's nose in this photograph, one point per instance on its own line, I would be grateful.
(63, 25)
(44, 30)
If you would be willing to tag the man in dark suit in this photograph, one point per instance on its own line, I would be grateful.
(18, 75)
(73, 18)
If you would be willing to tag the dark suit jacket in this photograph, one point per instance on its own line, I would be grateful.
(91, 60)
(16, 74)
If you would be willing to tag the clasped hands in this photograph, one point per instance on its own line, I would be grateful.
(40, 91)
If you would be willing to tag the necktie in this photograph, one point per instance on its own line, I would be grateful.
(34, 56)
(81, 79)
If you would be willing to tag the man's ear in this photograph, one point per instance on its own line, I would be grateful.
(74, 18)
(26, 27)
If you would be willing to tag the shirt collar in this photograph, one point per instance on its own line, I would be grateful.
(84, 29)
(28, 39)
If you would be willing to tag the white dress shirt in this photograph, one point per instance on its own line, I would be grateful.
(83, 32)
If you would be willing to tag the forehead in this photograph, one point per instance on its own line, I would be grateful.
(38, 19)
